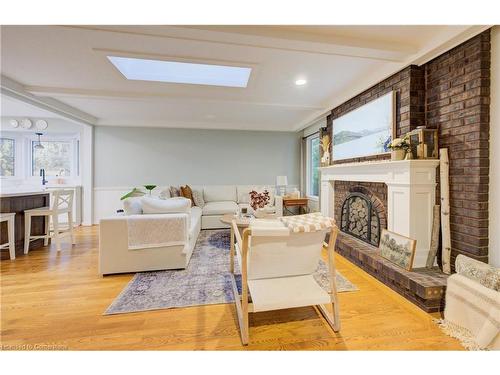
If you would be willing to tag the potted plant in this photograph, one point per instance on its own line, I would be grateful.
(399, 147)
(258, 201)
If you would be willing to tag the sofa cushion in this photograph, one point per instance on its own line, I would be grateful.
(244, 192)
(165, 206)
(220, 208)
(198, 198)
(219, 193)
(132, 206)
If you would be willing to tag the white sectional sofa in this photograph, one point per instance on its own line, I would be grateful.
(225, 199)
(114, 253)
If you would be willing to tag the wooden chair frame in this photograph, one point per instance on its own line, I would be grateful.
(62, 204)
(243, 307)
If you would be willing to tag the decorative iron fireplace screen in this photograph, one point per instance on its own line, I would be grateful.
(360, 219)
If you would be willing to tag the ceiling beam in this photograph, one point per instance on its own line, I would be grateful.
(313, 44)
(61, 92)
(15, 90)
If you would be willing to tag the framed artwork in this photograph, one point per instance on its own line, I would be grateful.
(398, 249)
(365, 131)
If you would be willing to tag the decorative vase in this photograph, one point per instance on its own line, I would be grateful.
(398, 154)
(259, 213)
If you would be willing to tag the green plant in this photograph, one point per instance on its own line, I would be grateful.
(133, 193)
(149, 188)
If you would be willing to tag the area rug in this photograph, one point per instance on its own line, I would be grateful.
(206, 280)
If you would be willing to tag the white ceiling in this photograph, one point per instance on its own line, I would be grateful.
(69, 64)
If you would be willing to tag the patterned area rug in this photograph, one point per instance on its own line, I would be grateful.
(206, 281)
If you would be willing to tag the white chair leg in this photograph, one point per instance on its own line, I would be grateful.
(70, 223)
(12, 246)
(57, 238)
(47, 231)
(27, 232)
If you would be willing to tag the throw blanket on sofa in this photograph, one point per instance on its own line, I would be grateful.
(472, 313)
(150, 231)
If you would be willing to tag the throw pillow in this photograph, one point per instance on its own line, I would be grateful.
(165, 206)
(186, 192)
(164, 194)
(198, 198)
(132, 206)
(174, 192)
(480, 272)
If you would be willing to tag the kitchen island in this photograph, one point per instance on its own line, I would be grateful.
(17, 202)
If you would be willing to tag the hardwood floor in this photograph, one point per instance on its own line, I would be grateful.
(56, 300)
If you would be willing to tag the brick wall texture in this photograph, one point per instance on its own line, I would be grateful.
(450, 93)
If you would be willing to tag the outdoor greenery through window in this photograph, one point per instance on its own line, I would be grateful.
(313, 166)
(55, 157)
(7, 157)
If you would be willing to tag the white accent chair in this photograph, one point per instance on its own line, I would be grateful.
(277, 270)
(9, 218)
(62, 203)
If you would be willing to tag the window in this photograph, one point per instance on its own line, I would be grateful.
(312, 188)
(7, 157)
(56, 157)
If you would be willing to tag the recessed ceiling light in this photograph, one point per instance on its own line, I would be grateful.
(180, 72)
(300, 82)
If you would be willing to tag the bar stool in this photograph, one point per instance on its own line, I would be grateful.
(9, 218)
(62, 204)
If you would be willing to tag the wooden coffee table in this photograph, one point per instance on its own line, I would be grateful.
(242, 222)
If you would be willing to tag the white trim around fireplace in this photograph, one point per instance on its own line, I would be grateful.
(411, 195)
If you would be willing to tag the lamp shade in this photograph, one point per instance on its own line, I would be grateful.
(281, 181)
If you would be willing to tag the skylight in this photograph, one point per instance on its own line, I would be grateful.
(180, 72)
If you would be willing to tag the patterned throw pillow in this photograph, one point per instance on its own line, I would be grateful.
(198, 198)
(164, 194)
(186, 192)
(174, 192)
(480, 272)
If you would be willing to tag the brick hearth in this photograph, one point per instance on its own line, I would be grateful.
(424, 287)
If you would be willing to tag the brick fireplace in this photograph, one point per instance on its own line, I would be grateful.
(366, 197)
(452, 94)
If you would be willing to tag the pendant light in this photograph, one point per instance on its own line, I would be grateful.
(39, 145)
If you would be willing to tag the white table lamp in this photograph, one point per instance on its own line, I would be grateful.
(281, 183)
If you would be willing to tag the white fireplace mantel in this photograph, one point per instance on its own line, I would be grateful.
(411, 195)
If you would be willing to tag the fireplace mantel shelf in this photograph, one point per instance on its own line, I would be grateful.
(411, 195)
(415, 172)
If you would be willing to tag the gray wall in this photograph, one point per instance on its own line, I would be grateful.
(126, 156)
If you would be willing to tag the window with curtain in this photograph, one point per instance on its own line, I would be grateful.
(312, 166)
(7, 157)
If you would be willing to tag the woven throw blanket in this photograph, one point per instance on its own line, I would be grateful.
(150, 231)
(308, 222)
(475, 309)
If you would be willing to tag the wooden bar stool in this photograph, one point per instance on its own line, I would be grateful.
(62, 204)
(9, 218)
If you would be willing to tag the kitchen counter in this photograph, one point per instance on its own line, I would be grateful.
(7, 193)
(17, 201)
